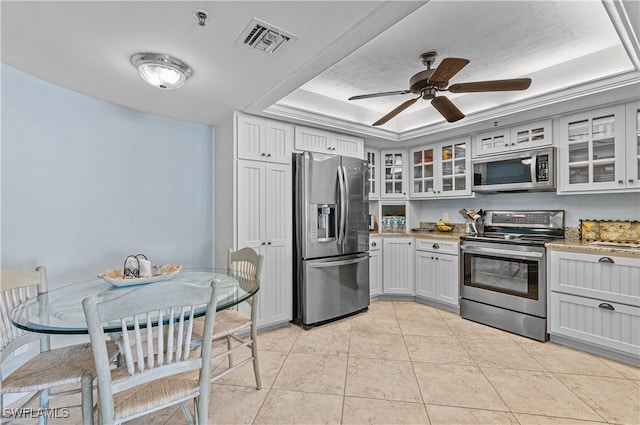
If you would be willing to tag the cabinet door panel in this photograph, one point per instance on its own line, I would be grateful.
(279, 142)
(312, 139)
(275, 295)
(251, 138)
(447, 279)
(347, 145)
(375, 273)
(425, 274)
(251, 201)
(633, 145)
(398, 266)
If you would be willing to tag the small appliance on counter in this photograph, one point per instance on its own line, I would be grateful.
(474, 222)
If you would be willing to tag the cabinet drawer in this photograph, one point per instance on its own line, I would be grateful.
(375, 244)
(610, 325)
(600, 276)
(444, 247)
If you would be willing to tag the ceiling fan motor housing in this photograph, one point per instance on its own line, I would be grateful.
(420, 81)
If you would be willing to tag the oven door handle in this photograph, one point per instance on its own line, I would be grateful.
(527, 254)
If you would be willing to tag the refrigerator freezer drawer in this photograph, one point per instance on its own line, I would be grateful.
(334, 287)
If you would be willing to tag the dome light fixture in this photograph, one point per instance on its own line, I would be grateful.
(160, 70)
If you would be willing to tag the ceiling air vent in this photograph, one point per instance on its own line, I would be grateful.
(262, 36)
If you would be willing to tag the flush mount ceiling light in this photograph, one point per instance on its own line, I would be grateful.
(160, 70)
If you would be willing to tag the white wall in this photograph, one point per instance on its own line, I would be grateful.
(614, 206)
(85, 183)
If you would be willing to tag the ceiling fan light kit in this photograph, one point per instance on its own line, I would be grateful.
(430, 81)
(162, 71)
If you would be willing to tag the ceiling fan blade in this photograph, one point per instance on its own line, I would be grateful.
(396, 111)
(387, 93)
(447, 108)
(447, 69)
(495, 85)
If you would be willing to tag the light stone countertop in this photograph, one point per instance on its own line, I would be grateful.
(576, 245)
(435, 235)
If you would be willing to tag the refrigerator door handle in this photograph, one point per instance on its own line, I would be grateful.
(345, 201)
(339, 263)
(343, 205)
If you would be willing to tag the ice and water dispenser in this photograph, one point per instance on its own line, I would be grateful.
(323, 222)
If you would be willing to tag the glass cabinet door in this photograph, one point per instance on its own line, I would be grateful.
(423, 172)
(373, 158)
(454, 167)
(393, 174)
(633, 145)
(594, 150)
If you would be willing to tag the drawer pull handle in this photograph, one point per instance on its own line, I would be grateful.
(436, 246)
(606, 260)
(606, 306)
(374, 244)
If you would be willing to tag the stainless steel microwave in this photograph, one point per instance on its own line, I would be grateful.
(513, 172)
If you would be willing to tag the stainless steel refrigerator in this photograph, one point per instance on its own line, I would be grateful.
(331, 215)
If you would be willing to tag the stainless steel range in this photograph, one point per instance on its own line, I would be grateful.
(503, 271)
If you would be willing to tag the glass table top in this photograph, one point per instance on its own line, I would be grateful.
(60, 310)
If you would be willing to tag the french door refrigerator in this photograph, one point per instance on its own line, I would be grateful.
(331, 244)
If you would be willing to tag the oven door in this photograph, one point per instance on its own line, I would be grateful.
(506, 276)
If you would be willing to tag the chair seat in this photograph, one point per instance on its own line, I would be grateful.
(63, 366)
(156, 395)
(227, 322)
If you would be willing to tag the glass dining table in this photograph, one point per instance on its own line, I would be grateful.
(59, 311)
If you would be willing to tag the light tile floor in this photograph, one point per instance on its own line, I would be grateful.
(407, 363)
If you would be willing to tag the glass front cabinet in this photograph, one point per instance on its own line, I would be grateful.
(393, 174)
(592, 151)
(633, 145)
(373, 156)
(441, 170)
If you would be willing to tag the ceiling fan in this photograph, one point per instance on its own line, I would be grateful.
(430, 81)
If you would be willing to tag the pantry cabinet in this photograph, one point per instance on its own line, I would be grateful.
(520, 137)
(593, 151)
(375, 267)
(436, 271)
(322, 141)
(441, 170)
(253, 205)
(393, 175)
(595, 301)
(397, 266)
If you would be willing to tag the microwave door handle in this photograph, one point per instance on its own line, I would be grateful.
(534, 168)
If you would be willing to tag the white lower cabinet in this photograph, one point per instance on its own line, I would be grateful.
(375, 267)
(264, 224)
(595, 301)
(397, 266)
(436, 271)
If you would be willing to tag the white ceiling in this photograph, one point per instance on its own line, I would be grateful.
(343, 48)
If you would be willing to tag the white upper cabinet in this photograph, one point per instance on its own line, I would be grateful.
(322, 141)
(594, 151)
(633, 145)
(441, 170)
(393, 180)
(264, 140)
(520, 137)
(373, 156)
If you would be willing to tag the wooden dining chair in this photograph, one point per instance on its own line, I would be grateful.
(236, 327)
(61, 367)
(159, 368)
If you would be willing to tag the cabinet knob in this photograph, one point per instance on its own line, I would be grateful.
(268, 243)
(263, 154)
(620, 181)
(435, 246)
(606, 306)
(630, 180)
(606, 260)
(409, 243)
(268, 155)
(374, 244)
(263, 243)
